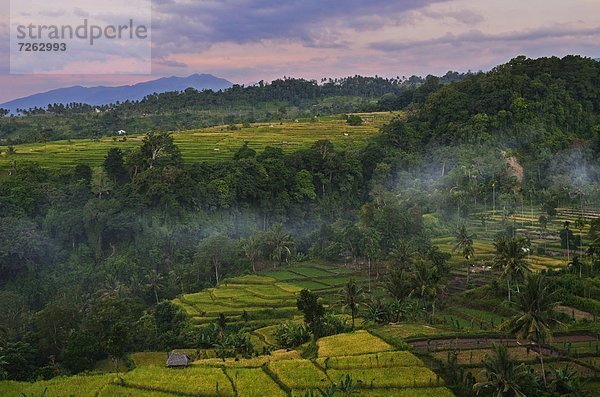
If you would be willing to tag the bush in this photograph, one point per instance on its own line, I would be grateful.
(290, 335)
(333, 325)
(354, 119)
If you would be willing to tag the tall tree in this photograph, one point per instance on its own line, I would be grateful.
(427, 282)
(511, 254)
(280, 244)
(118, 343)
(155, 282)
(308, 303)
(114, 165)
(158, 150)
(536, 315)
(464, 244)
(504, 376)
(215, 252)
(350, 297)
(251, 248)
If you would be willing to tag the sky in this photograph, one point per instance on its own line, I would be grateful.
(246, 41)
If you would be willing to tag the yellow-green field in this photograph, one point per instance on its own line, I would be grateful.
(270, 296)
(546, 250)
(376, 373)
(209, 144)
(355, 343)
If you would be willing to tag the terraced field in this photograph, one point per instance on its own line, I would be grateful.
(268, 297)
(546, 250)
(577, 351)
(210, 144)
(378, 371)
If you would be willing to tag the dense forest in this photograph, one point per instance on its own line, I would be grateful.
(90, 257)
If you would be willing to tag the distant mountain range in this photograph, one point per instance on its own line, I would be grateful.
(102, 95)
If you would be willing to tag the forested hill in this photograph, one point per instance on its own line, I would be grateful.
(522, 101)
(534, 106)
(190, 109)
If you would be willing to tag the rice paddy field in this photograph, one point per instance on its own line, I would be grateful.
(377, 371)
(270, 296)
(546, 252)
(470, 352)
(206, 145)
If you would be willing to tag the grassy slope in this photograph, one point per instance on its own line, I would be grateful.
(199, 145)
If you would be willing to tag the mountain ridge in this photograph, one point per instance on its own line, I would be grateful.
(104, 95)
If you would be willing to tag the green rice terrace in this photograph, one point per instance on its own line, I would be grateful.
(382, 360)
(546, 250)
(406, 359)
(209, 144)
(375, 365)
(268, 298)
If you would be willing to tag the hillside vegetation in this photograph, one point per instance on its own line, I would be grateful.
(465, 231)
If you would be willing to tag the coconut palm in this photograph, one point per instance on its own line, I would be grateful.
(402, 256)
(536, 315)
(427, 283)
(593, 251)
(464, 244)
(504, 376)
(350, 296)
(154, 281)
(281, 244)
(510, 259)
(580, 225)
(252, 250)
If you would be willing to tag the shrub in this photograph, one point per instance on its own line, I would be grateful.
(290, 335)
(333, 325)
(354, 119)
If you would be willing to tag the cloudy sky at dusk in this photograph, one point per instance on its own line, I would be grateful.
(250, 40)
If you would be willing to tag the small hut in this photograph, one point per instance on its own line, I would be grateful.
(178, 360)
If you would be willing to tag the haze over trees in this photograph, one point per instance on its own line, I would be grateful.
(90, 258)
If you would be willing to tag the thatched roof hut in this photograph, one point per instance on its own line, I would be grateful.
(178, 360)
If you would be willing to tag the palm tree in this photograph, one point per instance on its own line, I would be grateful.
(350, 296)
(281, 244)
(154, 281)
(504, 376)
(566, 382)
(427, 283)
(464, 243)
(536, 315)
(251, 249)
(402, 256)
(370, 247)
(567, 237)
(510, 258)
(580, 225)
(593, 251)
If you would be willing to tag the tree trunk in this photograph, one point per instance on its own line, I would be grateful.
(468, 271)
(508, 284)
(156, 295)
(216, 265)
(369, 274)
(542, 363)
